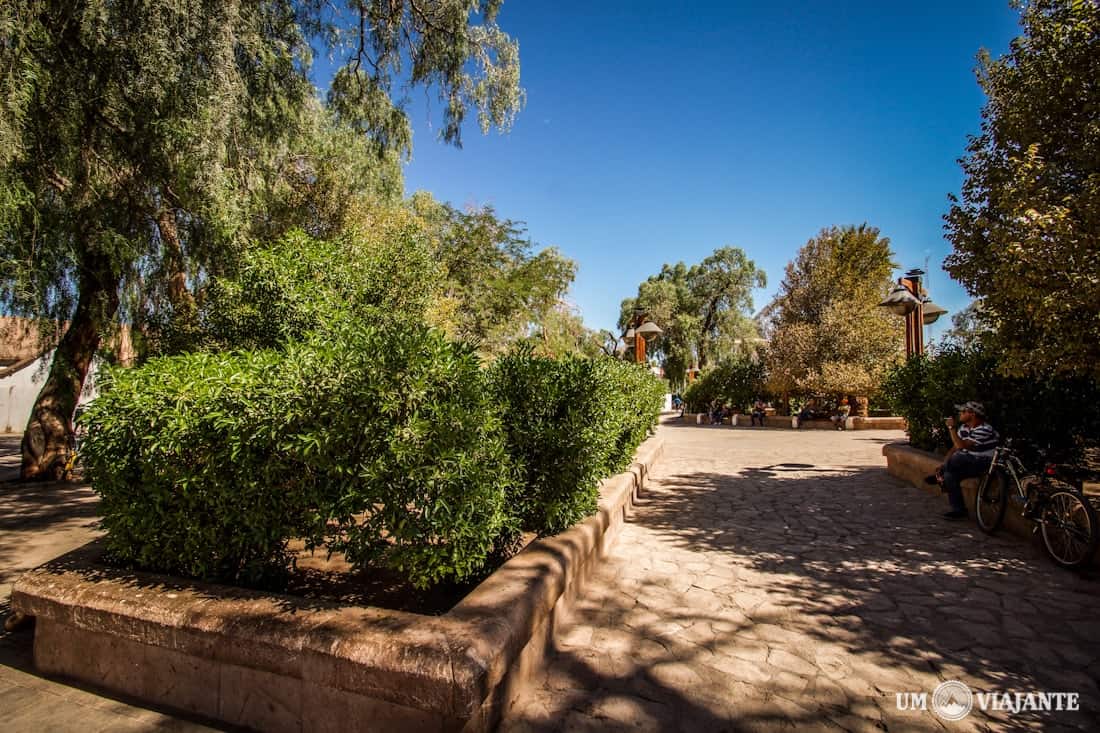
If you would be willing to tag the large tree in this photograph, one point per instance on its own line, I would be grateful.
(1026, 231)
(826, 333)
(132, 135)
(703, 309)
(495, 286)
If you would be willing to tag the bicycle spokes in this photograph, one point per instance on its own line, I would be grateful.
(1068, 528)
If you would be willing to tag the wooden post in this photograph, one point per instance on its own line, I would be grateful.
(914, 321)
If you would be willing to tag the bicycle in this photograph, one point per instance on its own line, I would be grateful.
(1062, 514)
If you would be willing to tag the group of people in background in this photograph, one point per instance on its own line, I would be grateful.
(838, 416)
(719, 412)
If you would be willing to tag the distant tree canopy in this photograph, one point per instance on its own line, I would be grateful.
(142, 144)
(969, 326)
(1026, 232)
(826, 333)
(494, 287)
(704, 310)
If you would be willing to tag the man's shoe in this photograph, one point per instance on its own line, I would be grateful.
(931, 479)
(955, 515)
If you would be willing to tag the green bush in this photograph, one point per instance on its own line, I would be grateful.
(1059, 414)
(736, 382)
(377, 442)
(569, 423)
(638, 396)
(295, 286)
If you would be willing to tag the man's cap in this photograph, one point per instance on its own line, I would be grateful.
(976, 407)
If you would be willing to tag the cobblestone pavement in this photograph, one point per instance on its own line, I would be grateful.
(779, 580)
(9, 456)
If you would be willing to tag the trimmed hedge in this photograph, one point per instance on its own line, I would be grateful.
(569, 423)
(736, 382)
(385, 444)
(1059, 414)
(380, 443)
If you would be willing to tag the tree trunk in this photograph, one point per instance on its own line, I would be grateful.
(183, 303)
(46, 440)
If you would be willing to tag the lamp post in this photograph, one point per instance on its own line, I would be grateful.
(639, 330)
(908, 299)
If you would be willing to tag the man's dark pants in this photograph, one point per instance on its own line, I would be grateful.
(962, 465)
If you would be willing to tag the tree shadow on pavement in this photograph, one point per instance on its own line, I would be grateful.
(803, 596)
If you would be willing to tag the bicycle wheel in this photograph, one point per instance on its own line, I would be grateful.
(1069, 528)
(991, 501)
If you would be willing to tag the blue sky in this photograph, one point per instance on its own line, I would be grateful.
(658, 131)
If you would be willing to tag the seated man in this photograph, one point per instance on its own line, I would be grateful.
(759, 410)
(840, 419)
(970, 455)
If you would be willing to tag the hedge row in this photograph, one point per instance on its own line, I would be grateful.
(569, 423)
(735, 382)
(393, 446)
(1060, 415)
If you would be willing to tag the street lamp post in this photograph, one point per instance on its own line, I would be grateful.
(909, 300)
(638, 331)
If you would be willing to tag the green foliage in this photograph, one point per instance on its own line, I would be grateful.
(1026, 232)
(183, 453)
(379, 442)
(735, 382)
(561, 331)
(970, 325)
(702, 309)
(569, 423)
(141, 144)
(495, 287)
(298, 285)
(320, 180)
(1055, 412)
(826, 331)
(638, 396)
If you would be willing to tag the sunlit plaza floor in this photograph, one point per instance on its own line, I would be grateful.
(781, 580)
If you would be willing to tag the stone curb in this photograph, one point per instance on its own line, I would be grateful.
(279, 663)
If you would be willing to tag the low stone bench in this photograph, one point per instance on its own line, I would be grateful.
(876, 423)
(280, 663)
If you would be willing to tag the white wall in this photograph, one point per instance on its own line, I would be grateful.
(19, 391)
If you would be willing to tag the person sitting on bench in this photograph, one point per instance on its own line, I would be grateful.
(840, 419)
(759, 410)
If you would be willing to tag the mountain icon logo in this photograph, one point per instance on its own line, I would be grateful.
(952, 700)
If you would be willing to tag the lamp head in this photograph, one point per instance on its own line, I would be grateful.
(900, 301)
(932, 312)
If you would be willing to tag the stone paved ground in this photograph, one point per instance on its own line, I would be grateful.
(38, 522)
(777, 580)
(9, 456)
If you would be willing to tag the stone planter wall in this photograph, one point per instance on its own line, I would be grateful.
(284, 664)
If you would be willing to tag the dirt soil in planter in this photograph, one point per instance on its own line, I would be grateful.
(333, 580)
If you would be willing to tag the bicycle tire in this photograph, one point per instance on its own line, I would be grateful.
(991, 501)
(1079, 511)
